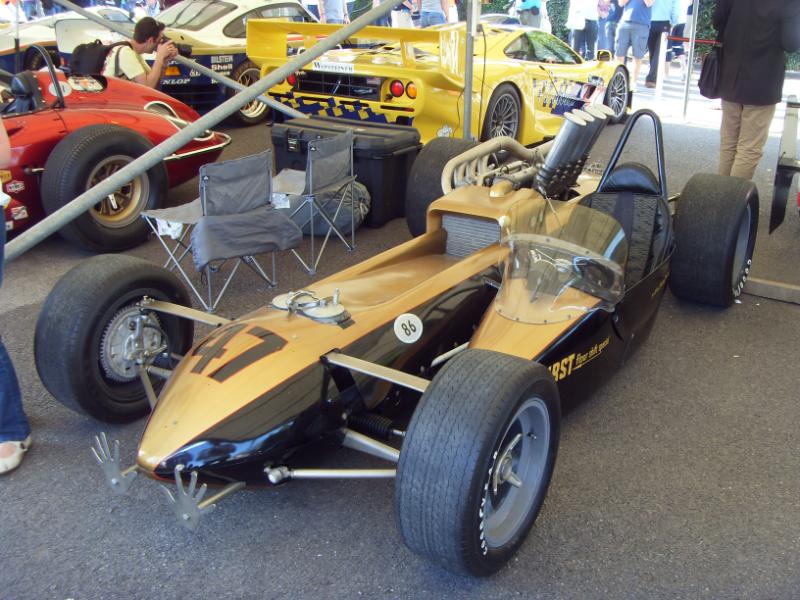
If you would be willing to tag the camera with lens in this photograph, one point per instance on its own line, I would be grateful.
(184, 50)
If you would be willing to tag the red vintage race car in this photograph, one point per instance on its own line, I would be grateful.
(68, 133)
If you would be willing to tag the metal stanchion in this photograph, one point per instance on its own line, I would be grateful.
(661, 66)
(85, 201)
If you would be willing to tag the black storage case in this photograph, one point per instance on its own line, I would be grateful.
(382, 157)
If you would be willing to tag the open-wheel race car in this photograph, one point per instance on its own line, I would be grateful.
(450, 356)
(68, 133)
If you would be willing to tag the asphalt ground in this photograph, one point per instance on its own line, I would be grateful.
(678, 479)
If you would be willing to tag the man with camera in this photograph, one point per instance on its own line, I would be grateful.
(125, 61)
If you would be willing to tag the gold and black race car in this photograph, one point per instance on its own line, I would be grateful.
(450, 356)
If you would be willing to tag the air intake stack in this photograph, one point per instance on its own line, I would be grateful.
(570, 149)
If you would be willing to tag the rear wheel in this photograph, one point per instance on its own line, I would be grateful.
(425, 178)
(84, 341)
(503, 113)
(256, 111)
(476, 461)
(715, 235)
(616, 97)
(83, 159)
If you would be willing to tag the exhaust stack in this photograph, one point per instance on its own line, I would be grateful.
(570, 149)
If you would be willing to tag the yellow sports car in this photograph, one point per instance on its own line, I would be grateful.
(523, 79)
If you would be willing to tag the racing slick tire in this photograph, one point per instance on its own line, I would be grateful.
(425, 179)
(476, 461)
(255, 112)
(503, 113)
(715, 233)
(85, 319)
(616, 97)
(88, 156)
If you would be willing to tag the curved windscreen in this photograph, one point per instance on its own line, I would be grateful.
(563, 260)
(193, 15)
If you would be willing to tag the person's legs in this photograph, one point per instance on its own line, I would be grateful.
(14, 426)
(590, 34)
(402, 19)
(654, 47)
(753, 132)
(623, 42)
(729, 135)
(13, 423)
(578, 39)
(428, 18)
(638, 35)
(602, 36)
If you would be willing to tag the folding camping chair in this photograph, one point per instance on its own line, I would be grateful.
(232, 219)
(329, 180)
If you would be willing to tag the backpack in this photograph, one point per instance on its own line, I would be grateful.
(90, 58)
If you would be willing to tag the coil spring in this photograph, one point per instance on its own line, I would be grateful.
(371, 424)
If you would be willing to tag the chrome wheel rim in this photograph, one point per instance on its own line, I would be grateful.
(256, 108)
(515, 475)
(618, 94)
(122, 207)
(504, 119)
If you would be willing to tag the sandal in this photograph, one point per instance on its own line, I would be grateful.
(9, 463)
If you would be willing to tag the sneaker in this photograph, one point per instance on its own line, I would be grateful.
(11, 454)
(649, 84)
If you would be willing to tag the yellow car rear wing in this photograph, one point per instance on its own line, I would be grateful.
(268, 42)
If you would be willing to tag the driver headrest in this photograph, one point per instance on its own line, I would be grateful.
(23, 84)
(632, 177)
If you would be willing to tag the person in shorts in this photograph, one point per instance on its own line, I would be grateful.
(632, 32)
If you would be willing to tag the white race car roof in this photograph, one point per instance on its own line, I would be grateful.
(212, 32)
(42, 30)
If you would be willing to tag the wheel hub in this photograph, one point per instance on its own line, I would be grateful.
(256, 108)
(505, 118)
(618, 94)
(123, 206)
(515, 475)
(129, 340)
(504, 468)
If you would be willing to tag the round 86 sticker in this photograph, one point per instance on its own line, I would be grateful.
(408, 328)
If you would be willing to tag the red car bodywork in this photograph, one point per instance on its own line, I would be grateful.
(33, 136)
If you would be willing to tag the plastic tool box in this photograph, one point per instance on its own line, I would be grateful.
(382, 157)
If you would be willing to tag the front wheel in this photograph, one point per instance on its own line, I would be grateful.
(476, 461)
(715, 235)
(84, 345)
(256, 111)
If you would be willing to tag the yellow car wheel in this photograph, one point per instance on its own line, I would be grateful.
(617, 95)
(503, 114)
